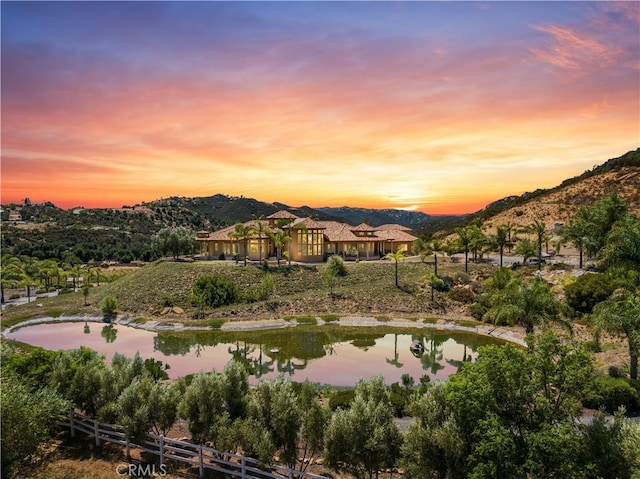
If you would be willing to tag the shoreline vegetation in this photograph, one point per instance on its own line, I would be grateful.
(156, 296)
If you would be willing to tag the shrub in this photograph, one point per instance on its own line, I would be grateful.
(167, 300)
(329, 317)
(341, 399)
(109, 305)
(445, 284)
(588, 290)
(267, 285)
(306, 320)
(462, 295)
(215, 291)
(216, 323)
(616, 372)
(610, 393)
(221, 257)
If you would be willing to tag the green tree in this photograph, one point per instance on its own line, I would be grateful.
(526, 304)
(621, 248)
(213, 403)
(538, 228)
(273, 407)
(109, 306)
(11, 273)
(85, 293)
(501, 240)
(364, 439)
(433, 446)
(525, 247)
(314, 418)
(243, 232)
(577, 232)
(396, 257)
(588, 290)
(280, 239)
(516, 410)
(175, 241)
(29, 418)
(422, 248)
(620, 314)
(334, 269)
(215, 291)
(464, 240)
(147, 405)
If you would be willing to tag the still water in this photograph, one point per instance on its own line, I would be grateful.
(327, 354)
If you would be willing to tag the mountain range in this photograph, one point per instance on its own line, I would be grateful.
(30, 228)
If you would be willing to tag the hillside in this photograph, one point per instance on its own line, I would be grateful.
(377, 217)
(557, 205)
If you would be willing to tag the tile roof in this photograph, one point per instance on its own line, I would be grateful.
(393, 227)
(307, 223)
(282, 214)
(363, 227)
(334, 231)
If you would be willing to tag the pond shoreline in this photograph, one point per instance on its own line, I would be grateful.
(504, 334)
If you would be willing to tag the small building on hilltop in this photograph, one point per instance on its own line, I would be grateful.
(311, 241)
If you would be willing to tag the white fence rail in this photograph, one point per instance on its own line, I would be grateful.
(235, 465)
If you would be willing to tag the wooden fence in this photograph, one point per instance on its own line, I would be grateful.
(235, 465)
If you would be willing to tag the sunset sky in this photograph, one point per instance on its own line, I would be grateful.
(436, 107)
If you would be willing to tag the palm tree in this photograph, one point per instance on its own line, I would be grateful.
(243, 232)
(261, 228)
(437, 246)
(577, 232)
(526, 304)
(622, 245)
(397, 256)
(477, 242)
(279, 238)
(464, 241)
(538, 228)
(620, 314)
(502, 239)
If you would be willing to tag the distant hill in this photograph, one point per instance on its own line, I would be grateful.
(46, 231)
(557, 205)
(375, 217)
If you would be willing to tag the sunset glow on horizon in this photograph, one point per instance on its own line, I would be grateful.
(441, 107)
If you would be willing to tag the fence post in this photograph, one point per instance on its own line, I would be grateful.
(200, 461)
(161, 450)
(243, 467)
(73, 429)
(95, 431)
(127, 448)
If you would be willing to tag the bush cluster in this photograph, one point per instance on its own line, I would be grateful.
(215, 291)
(588, 290)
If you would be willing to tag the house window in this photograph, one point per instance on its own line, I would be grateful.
(253, 245)
(229, 248)
(310, 243)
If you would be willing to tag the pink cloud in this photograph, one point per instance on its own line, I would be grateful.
(575, 51)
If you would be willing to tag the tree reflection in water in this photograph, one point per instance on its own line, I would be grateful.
(109, 333)
(394, 361)
(286, 351)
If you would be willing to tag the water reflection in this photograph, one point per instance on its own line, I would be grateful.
(326, 354)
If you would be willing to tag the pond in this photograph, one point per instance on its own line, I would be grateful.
(326, 354)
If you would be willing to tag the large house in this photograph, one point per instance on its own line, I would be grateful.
(311, 240)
